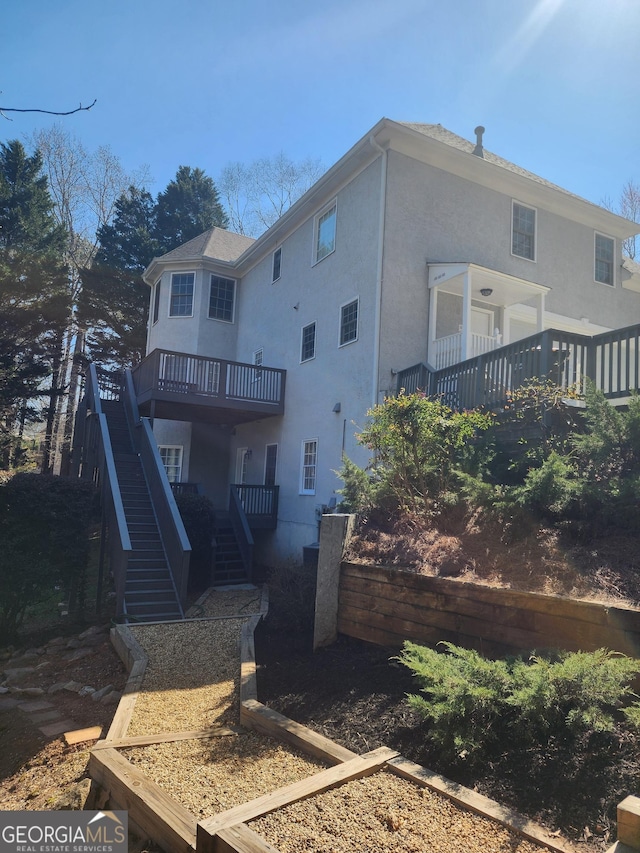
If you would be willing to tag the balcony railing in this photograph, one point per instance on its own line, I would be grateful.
(611, 360)
(209, 383)
(448, 350)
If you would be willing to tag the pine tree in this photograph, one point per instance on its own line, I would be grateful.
(189, 205)
(115, 300)
(34, 302)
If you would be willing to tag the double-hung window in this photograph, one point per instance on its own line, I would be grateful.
(325, 233)
(181, 302)
(308, 344)
(523, 231)
(222, 293)
(172, 460)
(604, 254)
(349, 322)
(309, 466)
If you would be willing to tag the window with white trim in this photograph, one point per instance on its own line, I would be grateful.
(156, 301)
(277, 265)
(309, 465)
(308, 343)
(181, 301)
(270, 464)
(171, 456)
(258, 360)
(222, 294)
(325, 232)
(604, 255)
(349, 322)
(523, 231)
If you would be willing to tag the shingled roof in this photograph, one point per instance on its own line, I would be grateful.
(214, 243)
(441, 134)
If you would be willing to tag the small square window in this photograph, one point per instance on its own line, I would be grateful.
(277, 265)
(308, 346)
(172, 461)
(604, 253)
(309, 467)
(349, 322)
(325, 233)
(221, 298)
(181, 303)
(523, 232)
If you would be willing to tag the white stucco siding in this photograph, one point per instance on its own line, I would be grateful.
(272, 317)
(196, 333)
(433, 216)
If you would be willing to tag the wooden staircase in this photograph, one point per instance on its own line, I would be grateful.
(228, 564)
(150, 593)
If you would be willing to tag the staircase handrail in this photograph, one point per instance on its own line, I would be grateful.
(174, 536)
(113, 508)
(242, 530)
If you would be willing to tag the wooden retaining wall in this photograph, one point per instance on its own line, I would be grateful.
(387, 606)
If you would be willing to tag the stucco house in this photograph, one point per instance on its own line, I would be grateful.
(417, 252)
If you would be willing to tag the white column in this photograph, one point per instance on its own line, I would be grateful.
(433, 313)
(466, 317)
(540, 312)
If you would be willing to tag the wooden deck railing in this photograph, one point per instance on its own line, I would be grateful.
(212, 378)
(611, 360)
(260, 504)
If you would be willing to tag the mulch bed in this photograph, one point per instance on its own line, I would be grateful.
(354, 693)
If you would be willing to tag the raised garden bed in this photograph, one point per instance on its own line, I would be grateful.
(176, 759)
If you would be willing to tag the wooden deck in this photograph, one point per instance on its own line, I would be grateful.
(183, 387)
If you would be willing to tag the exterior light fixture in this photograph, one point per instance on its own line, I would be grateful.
(486, 291)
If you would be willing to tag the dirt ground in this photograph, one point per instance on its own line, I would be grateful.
(525, 557)
(355, 693)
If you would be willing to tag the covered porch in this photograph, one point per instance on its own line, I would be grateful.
(474, 310)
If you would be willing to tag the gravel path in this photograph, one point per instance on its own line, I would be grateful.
(192, 683)
(384, 814)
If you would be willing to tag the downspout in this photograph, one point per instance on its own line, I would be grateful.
(378, 314)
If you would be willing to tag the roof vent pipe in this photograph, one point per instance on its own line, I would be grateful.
(479, 150)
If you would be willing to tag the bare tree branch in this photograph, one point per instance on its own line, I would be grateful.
(4, 110)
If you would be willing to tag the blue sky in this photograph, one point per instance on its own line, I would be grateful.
(556, 83)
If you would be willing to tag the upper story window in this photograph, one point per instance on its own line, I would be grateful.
(604, 254)
(523, 231)
(156, 301)
(308, 345)
(222, 294)
(349, 322)
(277, 265)
(325, 233)
(309, 467)
(171, 456)
(181, 302)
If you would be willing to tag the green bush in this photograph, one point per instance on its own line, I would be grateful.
(471, 702)
(44, 542)
(418, 445)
